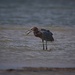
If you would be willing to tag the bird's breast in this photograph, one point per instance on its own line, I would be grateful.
(38, 34)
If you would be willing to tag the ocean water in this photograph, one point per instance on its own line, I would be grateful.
(18, 50)
(37, 12)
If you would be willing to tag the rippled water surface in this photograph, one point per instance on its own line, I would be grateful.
(37, 12)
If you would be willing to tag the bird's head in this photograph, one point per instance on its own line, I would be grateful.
(34, 29)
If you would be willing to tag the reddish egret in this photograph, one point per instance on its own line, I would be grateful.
(44, 34)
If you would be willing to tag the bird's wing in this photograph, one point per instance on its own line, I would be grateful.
(47, 35)
(46, 31)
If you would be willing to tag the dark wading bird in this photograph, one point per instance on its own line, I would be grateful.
(44, 34)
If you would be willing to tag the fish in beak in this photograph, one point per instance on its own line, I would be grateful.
(28, 32)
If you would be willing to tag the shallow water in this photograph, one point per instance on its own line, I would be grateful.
(18, 50)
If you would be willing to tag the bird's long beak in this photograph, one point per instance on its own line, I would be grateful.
(29, 31)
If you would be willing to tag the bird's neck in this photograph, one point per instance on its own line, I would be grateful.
(38, 34)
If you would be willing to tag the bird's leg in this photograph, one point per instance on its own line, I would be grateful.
(43, 44)
(46, 45)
